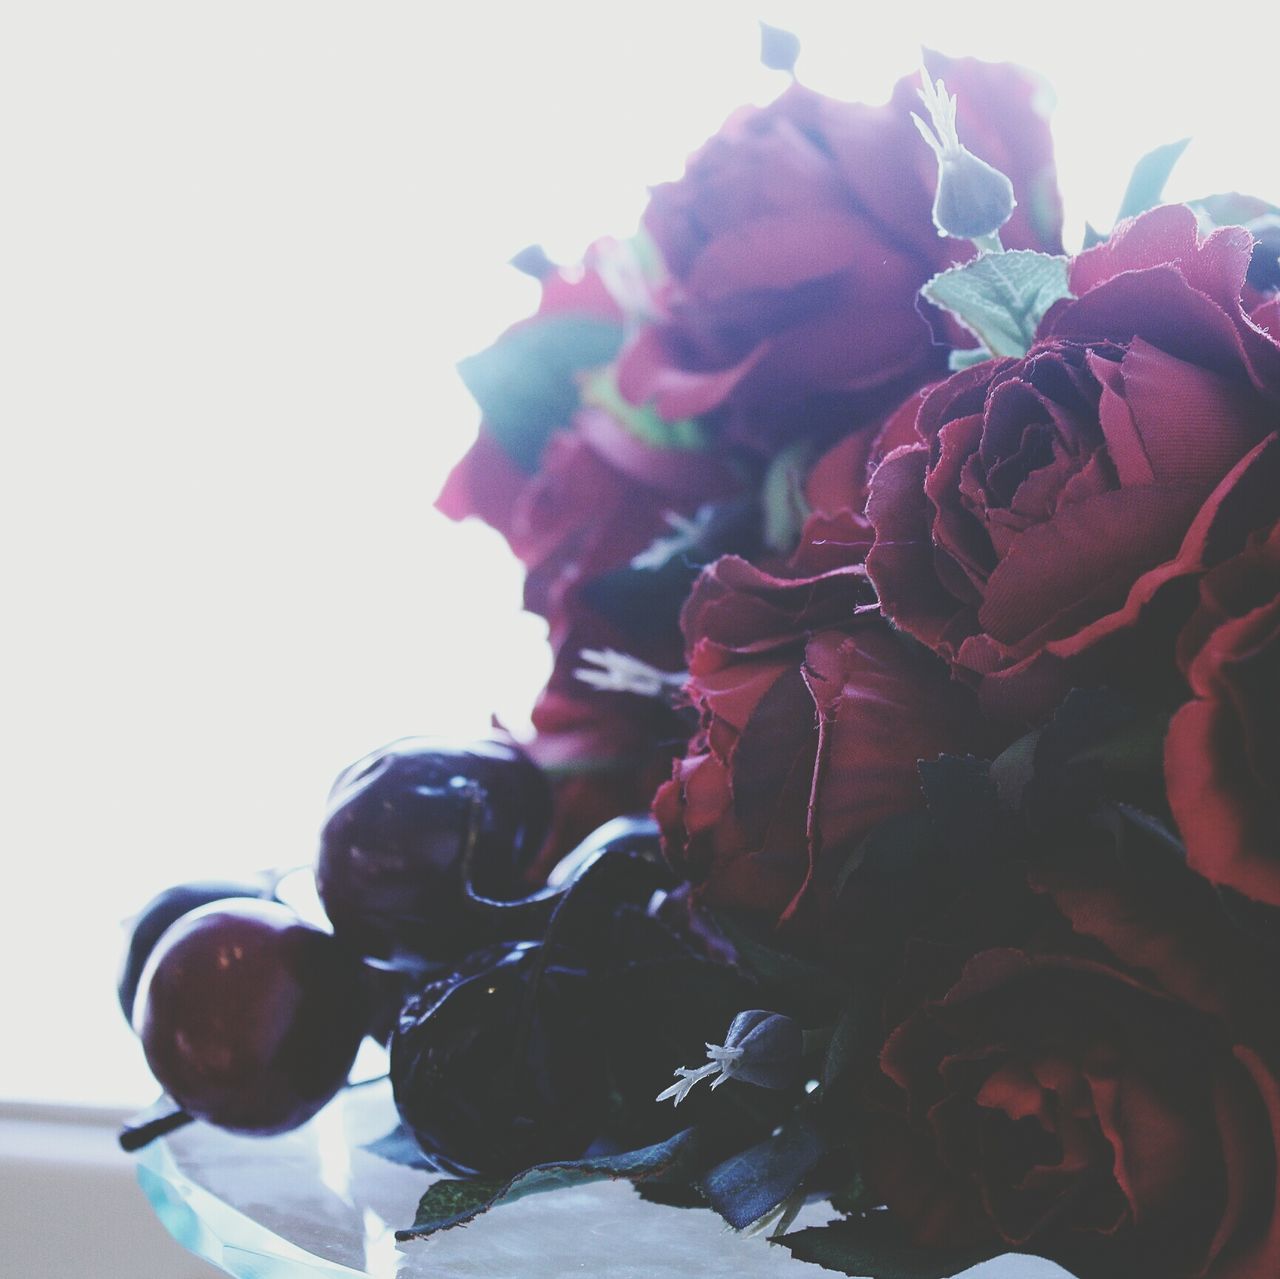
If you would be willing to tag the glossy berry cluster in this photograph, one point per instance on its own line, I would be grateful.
(524, 1021)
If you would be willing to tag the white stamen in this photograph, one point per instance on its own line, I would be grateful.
(942, 114)
(687, 534)
(721, 1065)
(622, 673)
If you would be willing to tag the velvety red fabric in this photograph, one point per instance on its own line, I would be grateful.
(1222, 752)
(796, 242)
(1058, 502)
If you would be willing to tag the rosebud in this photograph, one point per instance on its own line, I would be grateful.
(973, 200)
(761, 1048)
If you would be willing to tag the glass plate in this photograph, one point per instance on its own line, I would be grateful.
(312, 1203)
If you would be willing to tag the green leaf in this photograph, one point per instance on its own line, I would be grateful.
(601, 391)
(749, 1185)
(960, 360)
(899, 847)
(525, 383)
(1002, 297)
(450, 1202)
(1014, 768)
(764, 962)
(782, 497)
(854, 1197)
(1146, 183)
(854, 1030)
(671, 1194)
(875, 1247)
(1231, 208)
(958, 790)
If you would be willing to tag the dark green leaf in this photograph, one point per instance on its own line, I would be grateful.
(751, 1184)
(525, 382)
(779, 49)
(959, 793)
(873, 1247)
(1146, 183)
(855, 1029)
(770, 966)
(449, 1202)
(898, 846)
(855, 1197)
(671, 1194)
(1134, 747)
(1002, 297)
(1013, 769)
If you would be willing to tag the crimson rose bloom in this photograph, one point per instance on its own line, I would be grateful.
(796, 243)
(1058, 501)
(814, 716)
(1222, 753)
(1101, 1091)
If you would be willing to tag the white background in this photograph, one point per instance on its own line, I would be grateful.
(242, 246)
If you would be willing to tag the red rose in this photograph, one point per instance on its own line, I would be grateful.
(814, 716)
(1222, 753)
(600, 498)
(837, 532)
(796, 243)
(1058, 500)
(1102, 1090)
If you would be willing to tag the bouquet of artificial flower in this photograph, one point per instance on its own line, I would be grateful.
(911, 760)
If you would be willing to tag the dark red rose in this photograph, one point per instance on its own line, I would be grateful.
(796, 243)
(837, 532)
(1222, 753)
(1057, 501)
(600, 498)
(1092, 1080)
(813, 718)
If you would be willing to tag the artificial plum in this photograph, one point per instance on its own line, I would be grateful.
(496, 1066)
(167, 908)
(250, 1019)
(405, 824)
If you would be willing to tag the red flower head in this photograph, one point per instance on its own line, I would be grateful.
(796, 243)
(1059, 504)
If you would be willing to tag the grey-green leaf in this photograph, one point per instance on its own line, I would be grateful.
(749, 1185)
(450, 1202)
(1146, 183)
(873, 1247)
(526, 382)
(1002, 297)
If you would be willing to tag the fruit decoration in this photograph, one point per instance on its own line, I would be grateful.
(909, 771)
